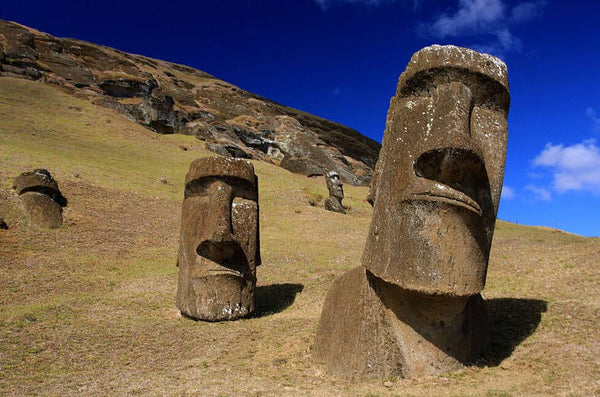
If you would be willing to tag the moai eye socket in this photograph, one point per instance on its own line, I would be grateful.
(458, 168)
(201, 187)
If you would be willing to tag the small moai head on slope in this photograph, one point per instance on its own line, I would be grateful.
(41, 197)
(219, 241)
(334, 184)
(437, 184)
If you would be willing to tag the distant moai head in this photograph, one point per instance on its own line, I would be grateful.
(336, 193)
(334, 184)
(438, 180)
(219, 241)
(41, 197)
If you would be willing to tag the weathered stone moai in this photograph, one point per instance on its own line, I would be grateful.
(41, 197)
(219, 242)
(336, 193)
(414, 306)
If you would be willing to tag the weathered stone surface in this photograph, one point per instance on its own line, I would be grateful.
(373, 329)
(435, 191)
(41, 197)
(128, 88)
(228, 150)
(219, 240)
(170, 98)
(336, 193)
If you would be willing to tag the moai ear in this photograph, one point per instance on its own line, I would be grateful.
(374, 184)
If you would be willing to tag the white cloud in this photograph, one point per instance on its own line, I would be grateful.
(527, 11)
(471, 16)
(508, 193)
(488, 19)
(539, 192)
(575, 167)
(591, 113)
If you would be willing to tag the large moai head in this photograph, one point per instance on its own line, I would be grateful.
(41, 197)
(438, 180)
(219, 241)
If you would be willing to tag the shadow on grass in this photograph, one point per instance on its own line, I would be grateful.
(274, 298)
(511, 321)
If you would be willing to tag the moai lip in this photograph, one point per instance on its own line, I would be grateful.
(414, 306)
(219, 240)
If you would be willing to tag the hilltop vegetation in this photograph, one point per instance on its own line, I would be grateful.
(90, 308)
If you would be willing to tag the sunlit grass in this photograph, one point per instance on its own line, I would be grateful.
(89, 308)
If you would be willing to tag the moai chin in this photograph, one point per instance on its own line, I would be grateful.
(336, 193)
(41, 197)
(414, 307)
(219, 241)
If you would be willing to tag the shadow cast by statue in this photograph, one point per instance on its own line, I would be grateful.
(512, 320)
(275, 298)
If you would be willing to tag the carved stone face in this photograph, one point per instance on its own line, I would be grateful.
(438, 180)
(41, 197)
(219, 242)
(334, 184)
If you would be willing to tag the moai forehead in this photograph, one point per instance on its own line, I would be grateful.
(333, 174)
(221, 167)
(333, 178)
(438, 61)
(438, 180)
(239, 174)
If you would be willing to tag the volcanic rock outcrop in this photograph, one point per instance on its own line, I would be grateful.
(219, 240)
(172, 98)
(414, 306)
(41, 197)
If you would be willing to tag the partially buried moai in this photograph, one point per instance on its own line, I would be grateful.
(219, 242)
(414, 306)
(41, 197)
(336, 193)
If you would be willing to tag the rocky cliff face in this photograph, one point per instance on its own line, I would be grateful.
(171, 98)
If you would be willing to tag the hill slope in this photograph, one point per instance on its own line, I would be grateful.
(89, 308)
(168, 98)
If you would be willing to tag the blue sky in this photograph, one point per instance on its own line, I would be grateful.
(340, 59)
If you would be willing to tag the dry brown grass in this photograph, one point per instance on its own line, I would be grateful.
(89, 308)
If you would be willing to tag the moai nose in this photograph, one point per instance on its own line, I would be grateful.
(216, 239)
(451, 118)
(452, 166)
(220, 213)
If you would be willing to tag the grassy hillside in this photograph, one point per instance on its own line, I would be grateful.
(89, 308)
